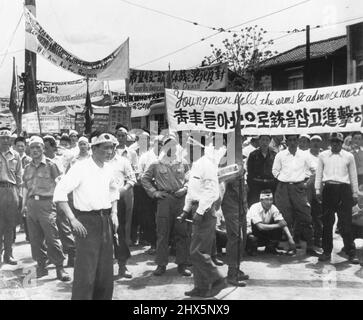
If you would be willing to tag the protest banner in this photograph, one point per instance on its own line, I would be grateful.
(114, 67)
(213, 77)
(320, 110)
(66, 93)
(49, 123)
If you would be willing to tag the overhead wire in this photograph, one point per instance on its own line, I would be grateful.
(220, 31)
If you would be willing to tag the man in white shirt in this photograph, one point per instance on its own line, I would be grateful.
(95, 197)
(265, 225)
(289, 168)
(122, 150)
(203, 193)
(125, 179)
(337, 171)
(74, 148)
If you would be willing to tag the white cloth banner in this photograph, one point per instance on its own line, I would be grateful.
(113, 67)
(213, 77)
(320, 110)
(50, 94)
(140, 108)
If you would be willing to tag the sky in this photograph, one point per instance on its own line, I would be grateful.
(91, 29)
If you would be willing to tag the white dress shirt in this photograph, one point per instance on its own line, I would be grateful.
(145, 160)
(122, 171)
(336, 168)
(129, 154)
(203, 185)
(291, 168)
(257, 214)
(93, 188)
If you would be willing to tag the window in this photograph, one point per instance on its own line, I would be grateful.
(295, 78)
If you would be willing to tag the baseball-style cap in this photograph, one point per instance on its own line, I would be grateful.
(304, 136)
(104, 137)
(73, 132)
(36, 139)
(316, 137)
(336, 136)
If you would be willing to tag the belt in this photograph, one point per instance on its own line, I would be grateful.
(335, 182)
(263, 180)
(101, 212)
(37, 197)
(292, 182)
(6, 184)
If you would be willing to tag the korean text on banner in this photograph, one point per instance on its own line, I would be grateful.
(213, 77)
(320, 110)
(113, 67)
(66, 93)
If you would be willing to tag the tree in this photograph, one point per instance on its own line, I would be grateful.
(244, 53)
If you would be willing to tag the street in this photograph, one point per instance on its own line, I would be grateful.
(271, 277)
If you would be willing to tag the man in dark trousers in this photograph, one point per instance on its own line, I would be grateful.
(39, 182)
(10, 182)
(337, 171)
(95, 196)
(259, 170)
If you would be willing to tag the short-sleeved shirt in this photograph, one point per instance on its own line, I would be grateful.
(10, 167)
(41, 180)
(257, 214)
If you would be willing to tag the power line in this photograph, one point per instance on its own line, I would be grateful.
(220, 31)
(11, 40)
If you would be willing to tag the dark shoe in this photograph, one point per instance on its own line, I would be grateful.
(232, 273)
(196, 292)
(182, 269)
(236, 282)
(41, 272)
(124, 273)
(62, 275)
(10, 260)
(353, 259)
(312, 252)
(160, 270)
(325, 257)
(271, 250)
(217, 262)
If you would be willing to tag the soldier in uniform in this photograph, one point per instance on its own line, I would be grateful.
(10, 182)
(170, 175)
(39, 182)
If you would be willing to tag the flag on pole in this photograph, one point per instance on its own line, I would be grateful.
(238, 138)
(13, 105)
(89, 116)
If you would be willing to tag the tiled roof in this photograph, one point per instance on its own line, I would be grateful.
(317, 49)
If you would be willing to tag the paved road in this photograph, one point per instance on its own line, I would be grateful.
(271, 277)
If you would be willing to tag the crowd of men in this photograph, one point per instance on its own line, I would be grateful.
(94, 198)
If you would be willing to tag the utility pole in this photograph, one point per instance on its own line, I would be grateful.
(307, 83)
(30, 69)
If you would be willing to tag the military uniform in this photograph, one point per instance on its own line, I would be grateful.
(169, 176)
(10, 182)
(39, 182)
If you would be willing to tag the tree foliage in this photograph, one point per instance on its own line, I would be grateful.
(244, 52)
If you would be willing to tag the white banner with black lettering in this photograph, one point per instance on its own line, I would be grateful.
(320, 110)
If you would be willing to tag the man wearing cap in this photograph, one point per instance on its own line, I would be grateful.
(265, 226)
(95, 197)
(148, 205)
(39, 182)
(64, 225)
(289, 168)
(316, 210)
(10, 182)
(259, 170)
(166, 181)
(123, 150)
(202, 197)
(84, 151)
(73, 135)
(337, 171)
(124, 179)
(304, 142)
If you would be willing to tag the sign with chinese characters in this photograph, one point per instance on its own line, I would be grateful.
(100, 122)
(119, 115)
(206, 78)
(320, 110)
